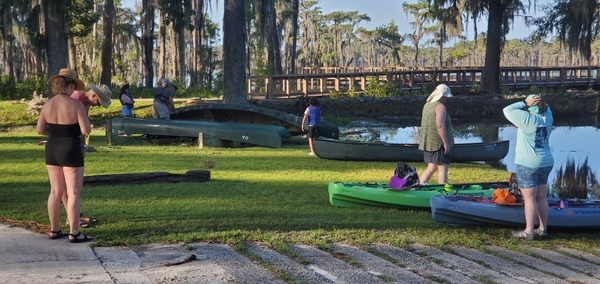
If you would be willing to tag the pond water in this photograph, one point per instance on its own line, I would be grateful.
(576, 143)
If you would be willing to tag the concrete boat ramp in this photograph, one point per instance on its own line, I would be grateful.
(29, 257)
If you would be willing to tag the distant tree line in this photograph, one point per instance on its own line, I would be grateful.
(111, 44)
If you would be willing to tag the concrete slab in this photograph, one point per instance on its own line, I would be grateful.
(297, 271)
(29, 257)
(423, 266)
(336, 270)
(378, 266)
(465, 266)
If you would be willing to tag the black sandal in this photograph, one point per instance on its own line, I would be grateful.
(76, 238)
(56, 234)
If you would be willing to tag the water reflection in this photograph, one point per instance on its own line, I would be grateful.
(566, 142)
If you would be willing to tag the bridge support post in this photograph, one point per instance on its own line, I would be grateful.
(200, 140)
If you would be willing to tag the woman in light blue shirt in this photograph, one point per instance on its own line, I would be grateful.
(534, 161)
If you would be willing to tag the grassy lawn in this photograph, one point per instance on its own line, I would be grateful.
(274, 196)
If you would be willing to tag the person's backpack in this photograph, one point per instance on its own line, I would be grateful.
(404, 177)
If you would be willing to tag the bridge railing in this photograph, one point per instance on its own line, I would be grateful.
(327, 80)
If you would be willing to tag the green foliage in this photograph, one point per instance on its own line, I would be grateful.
(474, 87)
(81, 17)
(337, 120)
(352, 93)
(534, 90)
(384, 89)
(336, 94)
(376, 88)
(504, 90)
(7, 88)
(23, 89)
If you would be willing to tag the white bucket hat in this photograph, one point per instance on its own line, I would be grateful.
(442, 90)
(104, 94)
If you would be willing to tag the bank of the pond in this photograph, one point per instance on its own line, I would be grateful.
(461, 107)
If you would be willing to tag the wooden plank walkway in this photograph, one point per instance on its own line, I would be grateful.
(325, 81)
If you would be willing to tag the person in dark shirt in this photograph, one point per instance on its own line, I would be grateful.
(163, 100)
(127, 101)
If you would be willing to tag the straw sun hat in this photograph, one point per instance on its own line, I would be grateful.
(103, 92)
(71, 74)
(442, 90)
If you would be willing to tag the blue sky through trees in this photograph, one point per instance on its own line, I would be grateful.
(382, 12)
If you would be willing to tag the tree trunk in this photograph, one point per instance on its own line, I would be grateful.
(234, 52)
(273, 53)
(162, 39)
(108, 19)
(490, 77)
(37, 25)
(56, 36)
(294, 36)
(174, 51)
(181, 34)
(198, 6)
(73, 54)
(94, 52)
(148, 41)
(7, 42)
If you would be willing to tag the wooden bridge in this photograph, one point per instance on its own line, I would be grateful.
(338, 80)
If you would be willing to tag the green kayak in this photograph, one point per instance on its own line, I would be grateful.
(365, 194)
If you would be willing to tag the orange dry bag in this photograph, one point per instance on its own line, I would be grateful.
(502, 196)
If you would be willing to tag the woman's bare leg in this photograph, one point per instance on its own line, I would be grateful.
(74, 182)
(310, 145)
(427, 173)
(57, 188)
(542, 205)
(442, 173)
(529, 198)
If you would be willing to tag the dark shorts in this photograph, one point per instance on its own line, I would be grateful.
(64, 152)
(436, 157)
(532, 177)
(313, 131)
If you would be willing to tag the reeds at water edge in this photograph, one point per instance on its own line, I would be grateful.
(576, 181)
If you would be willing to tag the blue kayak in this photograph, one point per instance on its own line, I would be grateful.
(478, 211)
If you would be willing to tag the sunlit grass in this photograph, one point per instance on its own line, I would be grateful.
(274, 196)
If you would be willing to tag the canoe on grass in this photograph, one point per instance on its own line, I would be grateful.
(481, 211)
(366, 194)
(249, 114)
(119, 130)
(390, 152)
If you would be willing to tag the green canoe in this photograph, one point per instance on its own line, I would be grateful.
(366, 194)
(393, 152)
(250, 114)
(120, 131)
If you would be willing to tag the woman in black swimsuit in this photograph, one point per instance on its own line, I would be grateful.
(65, 121)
